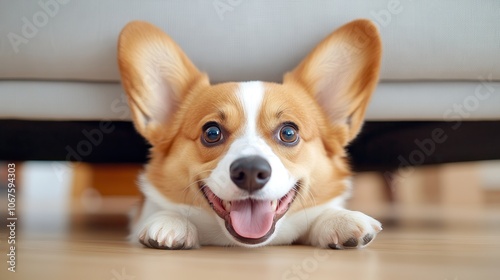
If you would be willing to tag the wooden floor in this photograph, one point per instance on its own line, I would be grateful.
(442, 227)
(416, 243)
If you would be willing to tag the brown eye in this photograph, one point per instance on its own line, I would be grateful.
(289, 134)
(211, 133)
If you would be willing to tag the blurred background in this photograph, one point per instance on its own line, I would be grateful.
(427, 161)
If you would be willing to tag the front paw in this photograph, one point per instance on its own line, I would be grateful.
(170, 232)
(342, 229)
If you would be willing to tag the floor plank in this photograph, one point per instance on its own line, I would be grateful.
(431, 244)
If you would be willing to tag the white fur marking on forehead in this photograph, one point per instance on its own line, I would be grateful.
(251, 95)
(250, 143)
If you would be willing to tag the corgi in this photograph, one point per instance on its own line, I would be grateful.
(249, 163)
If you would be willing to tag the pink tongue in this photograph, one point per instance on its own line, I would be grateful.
(251, 218)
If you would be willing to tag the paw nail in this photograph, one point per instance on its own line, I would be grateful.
(334, 246)
(351, 242)
(144, 242)
(177, 246)
(154, 243)
(367, 238)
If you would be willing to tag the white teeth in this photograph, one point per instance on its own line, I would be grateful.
(274, 204)
(227, 205)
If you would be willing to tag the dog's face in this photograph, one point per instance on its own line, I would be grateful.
(249, 152)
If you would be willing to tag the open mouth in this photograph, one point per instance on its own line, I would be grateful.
(250, 221)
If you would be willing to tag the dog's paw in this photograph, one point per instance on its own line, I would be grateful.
(163, 231)
(343, 229)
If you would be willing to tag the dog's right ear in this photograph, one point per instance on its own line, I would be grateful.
(342, 72)
(156, 75)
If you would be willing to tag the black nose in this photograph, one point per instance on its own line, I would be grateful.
(250, 173)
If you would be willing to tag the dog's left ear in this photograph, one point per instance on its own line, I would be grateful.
(342, 72)
(156, 75)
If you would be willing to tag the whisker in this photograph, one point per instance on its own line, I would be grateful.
(195, 197)
(201, 172)
(197, 194)
(303, 200)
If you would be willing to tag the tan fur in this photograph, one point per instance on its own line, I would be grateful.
(326, 96)
(146, 67)
(320, 164)
(345, 65)
(176, 166)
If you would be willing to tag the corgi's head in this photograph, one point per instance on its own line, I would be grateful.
(249, 152)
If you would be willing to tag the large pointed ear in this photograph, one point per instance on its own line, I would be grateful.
(342, 72)
(156, 76)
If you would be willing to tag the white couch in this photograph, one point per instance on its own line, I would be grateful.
(441, 59)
